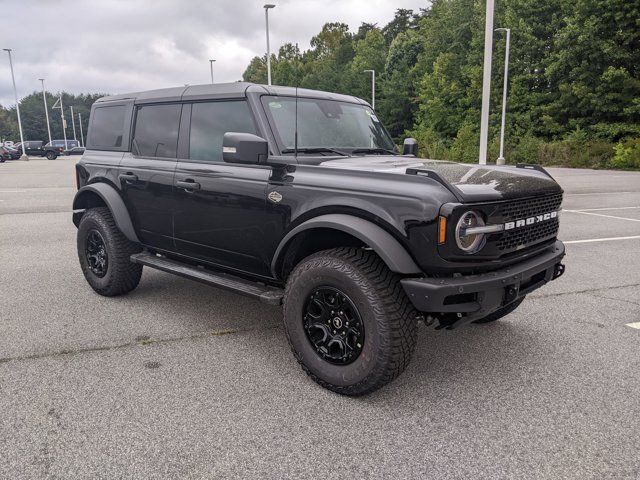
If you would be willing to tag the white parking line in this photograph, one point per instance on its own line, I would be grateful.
(597, 193)
(600, 209)
(634, 325)
(602, 215)
(609, 239)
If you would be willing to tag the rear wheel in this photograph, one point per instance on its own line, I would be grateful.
(501, 312)
(348, 321)
(104, 254)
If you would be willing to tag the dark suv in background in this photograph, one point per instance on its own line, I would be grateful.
(299, 198)
(70, 147)
(36, 148)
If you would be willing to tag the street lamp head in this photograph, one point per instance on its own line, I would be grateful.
(369, 71)
(269, 5)
(502, 29)
(7, 49)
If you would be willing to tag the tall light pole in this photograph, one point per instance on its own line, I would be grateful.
(500, 160)
(266, 18)
(73, 122)
(46, 110)
(81, 133)
(373, 87)
(211, 60)
(15, 94)
(486, 82)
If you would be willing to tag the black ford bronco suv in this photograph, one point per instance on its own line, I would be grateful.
(299, 198)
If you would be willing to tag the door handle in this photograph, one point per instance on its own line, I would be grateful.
(188, 184)
(128, 177)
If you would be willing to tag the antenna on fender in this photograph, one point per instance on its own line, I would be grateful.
(295, 135)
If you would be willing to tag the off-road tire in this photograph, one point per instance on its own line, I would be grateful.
(122, 275)
(501, 312)
(389, 319)
(51, 155)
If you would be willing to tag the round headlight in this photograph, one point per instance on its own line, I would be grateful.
(469, 243)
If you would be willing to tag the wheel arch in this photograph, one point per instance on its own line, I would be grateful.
(102, 194)
(346, 230)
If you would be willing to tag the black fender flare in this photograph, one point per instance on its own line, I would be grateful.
(114, 202)
(394, 255)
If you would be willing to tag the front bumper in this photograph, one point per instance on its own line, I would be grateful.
(466, 298)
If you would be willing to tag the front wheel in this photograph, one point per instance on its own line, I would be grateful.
(51, 156)
(348, 321)
(104, 254)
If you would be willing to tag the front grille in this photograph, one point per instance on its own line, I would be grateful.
(528, 208)
(531, 234)
(528, 235)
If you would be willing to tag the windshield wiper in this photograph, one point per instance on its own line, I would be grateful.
(315, 150)
(373, 150)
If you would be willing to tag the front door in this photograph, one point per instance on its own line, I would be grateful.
(219, 212)
(146, 174)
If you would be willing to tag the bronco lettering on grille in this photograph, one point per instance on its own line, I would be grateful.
(523, 222)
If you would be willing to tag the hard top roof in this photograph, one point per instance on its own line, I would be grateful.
(223, 90)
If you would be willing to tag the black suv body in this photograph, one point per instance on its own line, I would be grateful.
(298, 197)
(36, 148)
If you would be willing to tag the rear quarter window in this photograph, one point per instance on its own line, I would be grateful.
(108, 127)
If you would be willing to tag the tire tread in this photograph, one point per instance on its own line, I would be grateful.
(400, 326)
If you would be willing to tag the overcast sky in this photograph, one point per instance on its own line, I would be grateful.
(121, 46)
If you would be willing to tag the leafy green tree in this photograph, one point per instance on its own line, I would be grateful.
(595, 65)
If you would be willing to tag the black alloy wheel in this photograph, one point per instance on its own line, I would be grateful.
(333, 325)
(96, 253)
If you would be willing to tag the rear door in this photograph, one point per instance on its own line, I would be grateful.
(220, 207)
(146, 174)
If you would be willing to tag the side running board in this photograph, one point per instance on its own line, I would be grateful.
(264, 293)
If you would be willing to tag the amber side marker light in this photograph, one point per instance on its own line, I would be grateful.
(442, 230)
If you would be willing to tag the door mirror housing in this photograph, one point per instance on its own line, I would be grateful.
(244, 148)
(410, 147)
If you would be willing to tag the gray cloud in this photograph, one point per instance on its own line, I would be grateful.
(118, 46)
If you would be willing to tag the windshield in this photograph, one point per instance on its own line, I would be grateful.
(325, 124)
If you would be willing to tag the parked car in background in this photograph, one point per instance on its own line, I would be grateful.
(64, 148)
(75, 151)
(35, 148)
(7, 153)
(8, 144)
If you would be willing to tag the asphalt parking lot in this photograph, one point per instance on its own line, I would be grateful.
(180, 380)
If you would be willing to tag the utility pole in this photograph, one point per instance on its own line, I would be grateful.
(486, 82)
(266, 17)
(73, 122)
(373, 87)
(501, 160)
(46, 110)
(59, 105)
(24, 156)
(211, 67)
(81, 133)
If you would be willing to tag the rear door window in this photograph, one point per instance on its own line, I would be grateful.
(156, 131)
(210, 121)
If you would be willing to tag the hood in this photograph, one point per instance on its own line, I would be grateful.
(474, 183)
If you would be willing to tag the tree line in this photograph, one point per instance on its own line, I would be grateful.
(574, 83)
(574, 88)
(32, 115)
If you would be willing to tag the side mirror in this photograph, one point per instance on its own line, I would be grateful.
(244, 148)
(410, 147)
